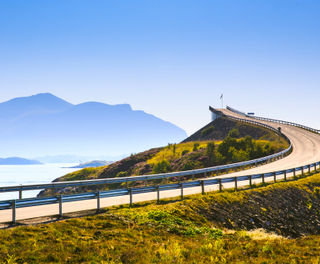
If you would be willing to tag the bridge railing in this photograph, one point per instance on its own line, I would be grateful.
(274, 120)
(130, 192)
(236, 111)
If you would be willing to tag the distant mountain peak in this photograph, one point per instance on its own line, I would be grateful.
(38, 103)
(97, 105)
(44, 124)
(39, 98)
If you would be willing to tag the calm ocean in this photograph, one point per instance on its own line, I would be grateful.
(30, 174)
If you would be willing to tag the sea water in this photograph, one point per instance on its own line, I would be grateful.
(12, 175)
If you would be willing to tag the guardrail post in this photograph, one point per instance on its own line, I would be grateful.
(158, 194)
(274, 177)
(285, 175)
(181, 190)
(236, 183)
(250, 181)
(130, 196)
(263, 179)
(98, 201)
(315, 167)
(309, 169)
(202, 187)
(13, 205)
(294, 172)
(20, 193)
(60, 206)
(220, 185)
(302, 173)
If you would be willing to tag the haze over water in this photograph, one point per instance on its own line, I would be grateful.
(30, 174)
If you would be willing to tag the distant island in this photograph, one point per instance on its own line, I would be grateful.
(18, 161)
(68, 158)
(92, 164)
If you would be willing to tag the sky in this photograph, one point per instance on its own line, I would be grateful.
(170, 58)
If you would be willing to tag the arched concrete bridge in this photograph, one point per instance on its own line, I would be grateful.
(306, 150)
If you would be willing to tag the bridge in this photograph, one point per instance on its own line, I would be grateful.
(302, 156)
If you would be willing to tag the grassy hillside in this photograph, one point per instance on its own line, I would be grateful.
(222, 141)
(211, 228)
(221, 127)
(183, 156)
(237, 142)
(187, 154)
(175, 157)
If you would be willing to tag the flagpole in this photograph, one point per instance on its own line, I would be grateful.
(221, 97)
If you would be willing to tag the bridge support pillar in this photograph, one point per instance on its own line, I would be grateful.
(220, 185)
(285, 175)
(98, 201)
(13, 205)
(130, 196)
(20, 193)
(158, 194)
(181, 191)
(202, 187)
(60, 206)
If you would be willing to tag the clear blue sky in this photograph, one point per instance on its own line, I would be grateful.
(166, 57)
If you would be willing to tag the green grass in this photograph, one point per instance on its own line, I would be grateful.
(172, 152)
(83, 174)
(173, 232)
(169, 154)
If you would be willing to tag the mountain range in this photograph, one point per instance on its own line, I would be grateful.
(44, 124)
(18, 161)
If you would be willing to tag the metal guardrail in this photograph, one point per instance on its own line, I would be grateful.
(274, 120)
(180, 174)
(236, 111)
(14, 204)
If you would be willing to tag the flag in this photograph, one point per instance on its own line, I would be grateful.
(221, 96)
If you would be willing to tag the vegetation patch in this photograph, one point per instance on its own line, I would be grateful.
(196, 230)
(174, 157)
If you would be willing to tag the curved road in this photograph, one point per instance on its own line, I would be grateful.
(306, 150)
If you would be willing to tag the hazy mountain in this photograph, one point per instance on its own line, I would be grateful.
(17, 161)
(92, 164)
(78, 159)
(44, 124)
